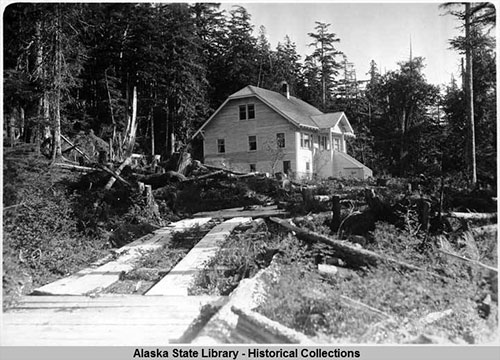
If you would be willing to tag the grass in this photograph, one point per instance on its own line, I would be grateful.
(315, 304)
(242, 256)
(156, 264)
(41, 234)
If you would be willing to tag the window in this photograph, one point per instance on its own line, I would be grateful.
(308, 166)
(243, 112)
(252, 143)
(305, 140)
(323, 144)
(336, 144)
(280, 140)
(221, 146)
(251, 111)
(287, 167)
(253, 168)
(247, 111)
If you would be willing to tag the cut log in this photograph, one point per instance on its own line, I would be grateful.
(75, 167)
(118, 172)
(435, 316)
(102, 167)
(264, 330)
(211, 167)
(160, 180)
(335, 223)
(203, 177)
(472, 216)
(352, 255)
(469, 260)
(487, 229)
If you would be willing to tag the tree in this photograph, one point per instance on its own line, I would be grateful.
(479, 88)
(287, 66)
(401, 100)
(324, 57)
(51, 62)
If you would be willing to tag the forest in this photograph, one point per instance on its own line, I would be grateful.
(74, 69)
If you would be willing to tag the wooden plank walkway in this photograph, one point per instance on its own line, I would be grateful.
(131, 320)
(179, 279)
(98, 277)
(112, 320)
(258, 212)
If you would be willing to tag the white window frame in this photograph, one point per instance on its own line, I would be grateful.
(280, 140)
(250, 142)
(219, 145)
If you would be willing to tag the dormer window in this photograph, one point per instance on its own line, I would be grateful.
(247, 112)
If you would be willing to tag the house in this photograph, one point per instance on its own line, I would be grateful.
(262, 130)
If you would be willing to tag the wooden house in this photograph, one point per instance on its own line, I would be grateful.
(262, 130)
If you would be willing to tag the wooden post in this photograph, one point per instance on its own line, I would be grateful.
(335, 223)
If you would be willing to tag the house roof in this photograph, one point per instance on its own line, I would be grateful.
(330, 120)
(297, 111)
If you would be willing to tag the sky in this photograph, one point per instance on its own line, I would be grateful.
(378, 31)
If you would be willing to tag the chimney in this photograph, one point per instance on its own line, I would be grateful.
(285, 91)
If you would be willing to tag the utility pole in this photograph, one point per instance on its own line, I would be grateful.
(469, 94)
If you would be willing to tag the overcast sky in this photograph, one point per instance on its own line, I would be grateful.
(378, 31)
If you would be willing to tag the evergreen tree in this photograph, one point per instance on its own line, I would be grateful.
(324, 57)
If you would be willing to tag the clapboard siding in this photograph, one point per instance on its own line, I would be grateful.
(267, 123)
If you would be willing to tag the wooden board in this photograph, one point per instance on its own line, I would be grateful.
(264, 211)
(179, 279)
(94, 279)
(104, 320)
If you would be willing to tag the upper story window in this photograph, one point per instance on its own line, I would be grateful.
(221, 146)
(280, 140)
(305, 140)
(247, 111)
(252, 143)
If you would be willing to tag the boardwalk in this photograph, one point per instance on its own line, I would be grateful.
(101, 321)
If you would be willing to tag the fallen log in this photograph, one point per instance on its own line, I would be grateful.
(471, 216)
(203, 177)
(478, 263)
(211, 167)
(353, 255)
(101, 166)
(264, 330)
(75, 167)
(118, 172)
(160, 180)
(487, 229)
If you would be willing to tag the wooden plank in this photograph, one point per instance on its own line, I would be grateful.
(179, 279)
(107, 320)
(93, 335)
(265, 211)
(95, 279)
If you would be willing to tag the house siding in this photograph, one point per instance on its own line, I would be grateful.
(267, 123)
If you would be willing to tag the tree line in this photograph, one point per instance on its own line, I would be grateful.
(146, 76)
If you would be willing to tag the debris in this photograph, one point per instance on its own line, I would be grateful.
(435, 316)
(354, 256)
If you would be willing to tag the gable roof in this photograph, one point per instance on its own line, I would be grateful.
(330, 120)
(296, 111)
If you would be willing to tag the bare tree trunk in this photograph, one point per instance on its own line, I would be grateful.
(56, 103)
(110, 107)
(469, 93)
(129, 140)
(152, 133)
